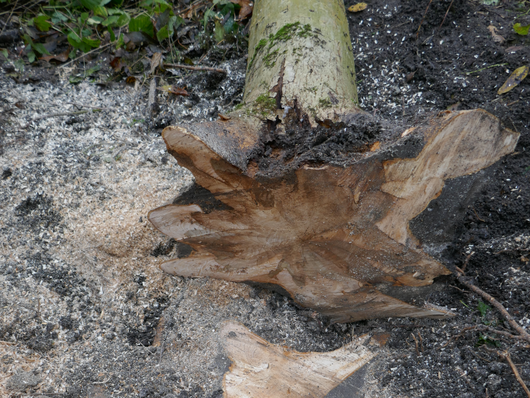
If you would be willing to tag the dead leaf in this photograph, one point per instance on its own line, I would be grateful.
(156, 61)
(130, 79)
(496, 37)
(62, 57)
(515, 78)
(246, 8)
(223, 117)
(375, 146)
(358, 7)
(410, 76)
(380, 338)
(174, 90)
(116, 64)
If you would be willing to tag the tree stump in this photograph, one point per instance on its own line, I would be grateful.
(303, 191)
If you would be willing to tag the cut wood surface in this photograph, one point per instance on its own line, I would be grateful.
(335, 238)
(260, 369)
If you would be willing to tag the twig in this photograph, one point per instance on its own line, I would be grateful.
(494, 302)
(447, 12)
(478, 215)
(482, 328)
(9, 17)
(416, 342)
(487, 67)
(85, 54)
(199, 68)
(422, 18)
(152, 106)
(466, 262)
(58, 114)
(506, 355)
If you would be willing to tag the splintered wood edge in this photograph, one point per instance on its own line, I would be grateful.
(459, 144)
(263, 370)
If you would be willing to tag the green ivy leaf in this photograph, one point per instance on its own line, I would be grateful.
(110, 21)
(58, 17)
(92, 70)
(520, 29)
(90, 4)
(123, 17)
(31, 57)
(4, 53)
(142, 23)
(73, 39)
(95, 20)
(40, 48)
(111, 32)
(121, 42)
(41, 23)
(219, 31)
(75, 79)
(91, 42)
(102, 11)
(162, 34)
(229, 24)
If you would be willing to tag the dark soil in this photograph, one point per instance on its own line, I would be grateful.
(412, 60)
(436, 60)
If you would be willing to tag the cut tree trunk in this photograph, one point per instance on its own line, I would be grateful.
(302, 191)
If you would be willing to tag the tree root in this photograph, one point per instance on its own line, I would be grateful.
(461, 278)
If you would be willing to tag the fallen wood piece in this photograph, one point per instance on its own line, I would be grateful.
(513, 323)
(197, 68)
(261, 369)
(506, 355)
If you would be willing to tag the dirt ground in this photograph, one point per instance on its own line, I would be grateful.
(84, 309)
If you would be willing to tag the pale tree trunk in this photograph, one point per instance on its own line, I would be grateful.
(298, 191)
(300, 51)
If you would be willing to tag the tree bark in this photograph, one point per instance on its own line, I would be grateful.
(300, 54)
(302, 191)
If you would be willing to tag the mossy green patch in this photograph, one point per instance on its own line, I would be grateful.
(283, 34)
(270, 58)
(324, 103)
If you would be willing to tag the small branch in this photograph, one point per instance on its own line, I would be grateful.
(9, 17)
(90, 52)
(487, 67)
(6, 342)
(506, 355)
(416, 342)
(198, 68)
(421, 22)
(494, 302)
(445, 16)
(484, 328)
(463, 269)
(152, 105)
